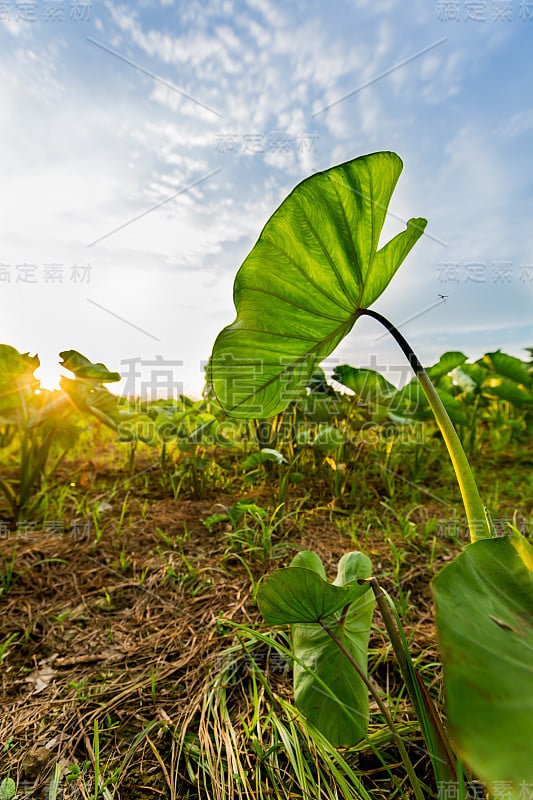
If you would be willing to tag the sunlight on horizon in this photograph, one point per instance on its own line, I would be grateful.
(48, 375)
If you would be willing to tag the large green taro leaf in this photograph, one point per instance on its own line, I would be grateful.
(301, 595)
(484, 602)
(509, 367)
(508, 390)
(315, 266)
(372, 387)
(411, 400)
(446, 363)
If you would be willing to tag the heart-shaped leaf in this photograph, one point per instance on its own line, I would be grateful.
(484, 602)
(315, 267)
(301, 594)
(344, 723)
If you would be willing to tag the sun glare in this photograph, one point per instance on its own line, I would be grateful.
(48, 375)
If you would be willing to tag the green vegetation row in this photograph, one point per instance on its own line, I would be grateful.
(489, 398)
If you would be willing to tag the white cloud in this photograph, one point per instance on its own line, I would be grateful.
(12, 26)
(518, 124)
(83, 155)
(280, 160)
(370, 113)
(271, 14)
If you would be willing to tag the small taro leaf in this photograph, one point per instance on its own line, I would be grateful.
(242, 507)
(446, 363)
(353, 567)
(217, 434)
(509, 367)
(214, 519)
(344, 723)
(165, 428)
(266, 454)
(368, 384)
(315, 266)
(8, 789)
(300, 594)
(85, 369)
(328, 439)
(484, 604)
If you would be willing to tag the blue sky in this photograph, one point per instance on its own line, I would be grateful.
(145, 145)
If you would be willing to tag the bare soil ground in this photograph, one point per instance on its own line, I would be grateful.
(127, 631)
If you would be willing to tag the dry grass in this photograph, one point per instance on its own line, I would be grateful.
(127, 632)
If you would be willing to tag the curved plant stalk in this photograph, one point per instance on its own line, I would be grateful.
(440, 750)
(475, 510)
